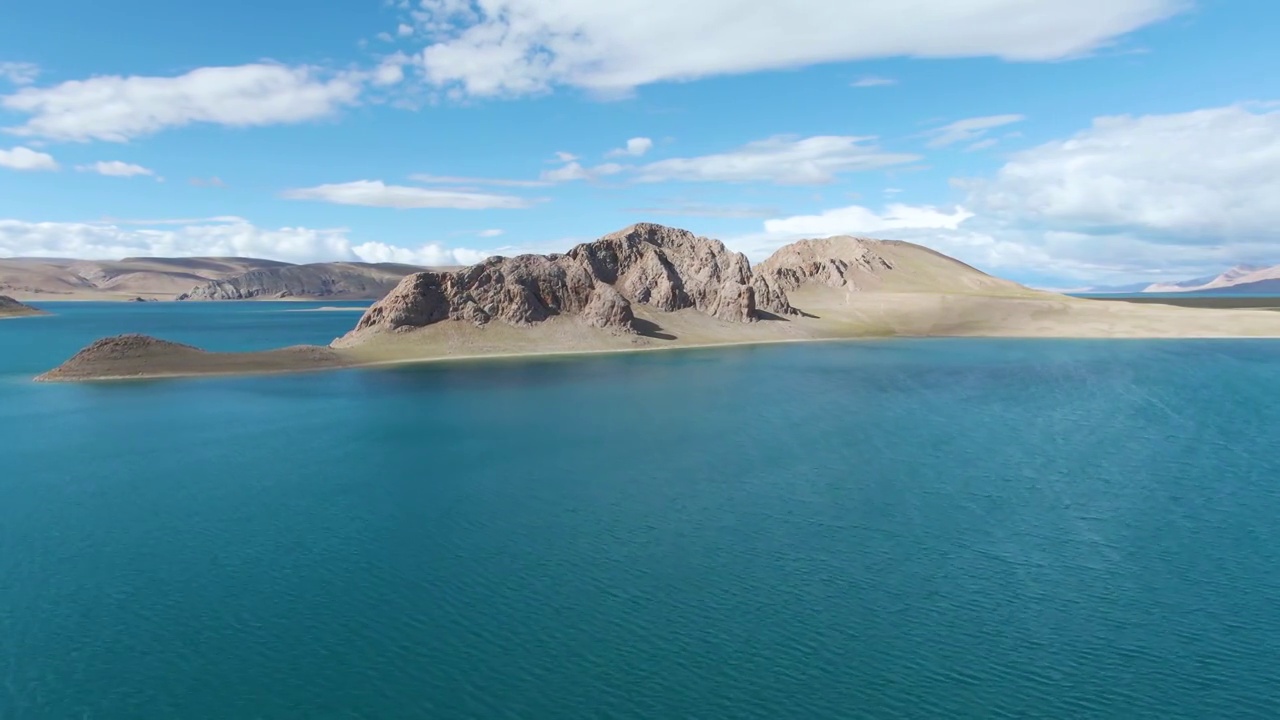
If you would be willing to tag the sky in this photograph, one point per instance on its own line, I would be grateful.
(1061, 143)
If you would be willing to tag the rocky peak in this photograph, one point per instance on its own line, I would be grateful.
(599, 282)
(834, 262)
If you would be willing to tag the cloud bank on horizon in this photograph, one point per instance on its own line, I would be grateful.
(1057, 142)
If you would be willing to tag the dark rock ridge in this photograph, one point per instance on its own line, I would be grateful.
(349, 281)
(600, 282)
(10, 307)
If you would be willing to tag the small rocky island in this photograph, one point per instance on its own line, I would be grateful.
(10, 308)
(651, 287)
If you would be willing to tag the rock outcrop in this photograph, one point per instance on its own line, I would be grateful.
(599, 282)
(135, 356)
(335, 281)
(12, 308)
(834, 262)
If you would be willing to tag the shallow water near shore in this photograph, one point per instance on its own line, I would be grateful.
(905, 528)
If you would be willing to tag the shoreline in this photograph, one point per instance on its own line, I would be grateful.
(477, 358)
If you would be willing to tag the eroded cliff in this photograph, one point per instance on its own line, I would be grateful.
(598, 282)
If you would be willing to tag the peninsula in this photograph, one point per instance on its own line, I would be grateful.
(10, 308)
(650, 287)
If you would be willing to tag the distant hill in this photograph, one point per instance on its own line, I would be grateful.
(334, 281)
(150, 278)
(1239, 280)
(155, 278)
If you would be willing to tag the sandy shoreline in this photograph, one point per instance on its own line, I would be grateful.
(833, 318)
(469, 359)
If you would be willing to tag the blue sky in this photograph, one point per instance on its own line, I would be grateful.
(1057, 142)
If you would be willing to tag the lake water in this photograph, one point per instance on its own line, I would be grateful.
(889, 529)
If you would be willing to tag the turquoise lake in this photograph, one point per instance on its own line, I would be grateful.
(887, 529)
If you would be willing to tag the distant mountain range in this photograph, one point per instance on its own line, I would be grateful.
(198, 278)
(1239, 280)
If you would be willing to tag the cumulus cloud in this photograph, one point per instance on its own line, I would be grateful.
(502, 47)
(1209, 176)
(375, 193)
(969, 129)
(21, 158)
(635, 147)
(573, 170)
(116, 108)
(897, 220)
(391, 70)
(116, 168)
(19, 73)
(860, 221)
(226, 236)
(782, 160)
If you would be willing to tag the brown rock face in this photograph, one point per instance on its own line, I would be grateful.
(599, 282)
(833, 262)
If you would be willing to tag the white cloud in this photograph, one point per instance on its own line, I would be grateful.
(404, 30)
(494, 232)
(116, 108)
(970, 129)
(116, 168)
(228, 236)
(499, 47)
(1209, 176)
(19, 73)
(873, 81)
(573, 170)
(391, 70)
(982, 145)
(565, 157)
(21, 158)
(426, 179)
(860, 221)
(635, 147)
(214, 181)
(430, 254)
(375, 193)
(782, 160)
(898, 220)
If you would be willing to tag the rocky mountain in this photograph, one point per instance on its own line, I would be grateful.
(864, 264)
(12, 308)
(663, 269)
(334, 281)
(600, 282)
